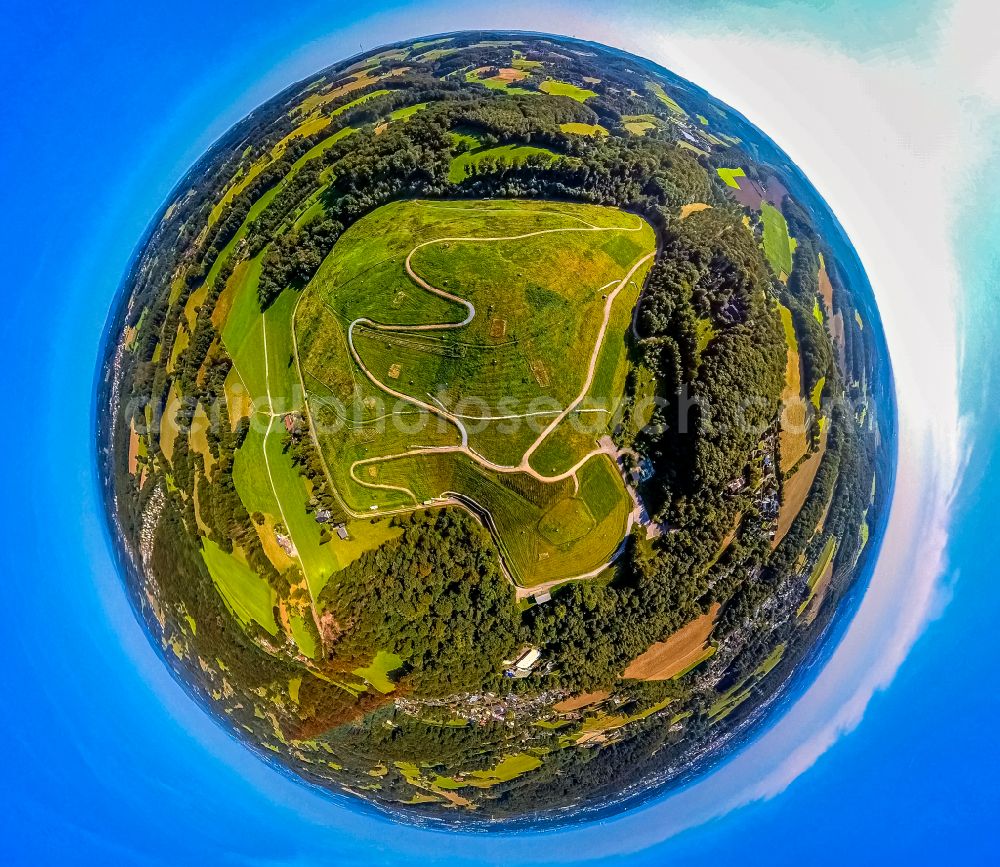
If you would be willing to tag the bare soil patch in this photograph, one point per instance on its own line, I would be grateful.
(837, 331)
(498, 328)
(776, 191)
(668, 658)
(508, 73)
(394, 371)
(750, 193)
(540, 373)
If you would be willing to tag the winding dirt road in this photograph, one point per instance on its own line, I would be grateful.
(451, 498)
(524, 466)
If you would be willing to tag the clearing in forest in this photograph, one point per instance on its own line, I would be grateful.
(778, 246)
(677, 653)
(590, 129)
(796, 488)
(505, 322)
(563, 88)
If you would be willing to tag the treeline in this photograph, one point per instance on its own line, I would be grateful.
(815, 348)
(293, 258)
(440, 602)
(650, 176)
(405, 159)
(299, 444)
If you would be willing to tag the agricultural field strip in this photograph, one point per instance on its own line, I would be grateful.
(267, 462)
(464, 448)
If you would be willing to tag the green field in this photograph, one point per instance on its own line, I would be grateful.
(817, 313)
(377, 673)
(510, 768)
(826, 555)
(563, 88)
(774, 657)
(786, 322)
(263, 473)
(247, 594)
(666, 99)
(583, 129)
(778, 246)
(408, 111)
(729, 177)
(705, 332)
(303, 637)
(817, 393)
(510, 154)
(361, 100)
(507, 371)
(640, 124)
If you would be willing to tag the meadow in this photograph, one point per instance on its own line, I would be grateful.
(778, 246)
(563, 88)
(391, 368)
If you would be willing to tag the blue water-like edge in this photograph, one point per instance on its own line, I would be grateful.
(732, 740)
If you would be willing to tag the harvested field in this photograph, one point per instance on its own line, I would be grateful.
(640, 124)
(668, 658)
(238, 400)
(133, 449)
(198, 437)
(590, 129)
(275, 553)
(796, 489)
(584, 699)
(168, 421)
(793, 437)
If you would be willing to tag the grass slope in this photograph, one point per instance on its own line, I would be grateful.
(539, 302)
(248, 595)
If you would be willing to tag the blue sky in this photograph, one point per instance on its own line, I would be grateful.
(892, 111)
